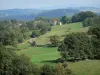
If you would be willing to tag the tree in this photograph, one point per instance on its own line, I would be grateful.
(95, 21)
(59, 69)
(31, 25)
(94, 31)
(54, 40)
(75, 46)
(24, 31)
(47, 70)
(62, 69)
(33, 43)
(35, 33)
(43, 27)
(5, 61)
(22, 66)
(11, 33)
(79, 17)
(65, 19)
(12, 64)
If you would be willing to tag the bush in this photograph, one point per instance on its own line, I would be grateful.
(33, 44)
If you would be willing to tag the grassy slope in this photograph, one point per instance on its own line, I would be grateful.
(60, 31)
(40, 54)
(88, 67)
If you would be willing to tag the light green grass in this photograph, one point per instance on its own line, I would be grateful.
(88, 67)
(23, 46)
(40, 54)
(60, 31)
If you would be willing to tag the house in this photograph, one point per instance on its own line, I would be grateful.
(55, 21)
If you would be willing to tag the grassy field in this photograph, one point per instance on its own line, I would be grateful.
(88, 67)
(41, 55)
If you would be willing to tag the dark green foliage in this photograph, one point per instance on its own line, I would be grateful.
(33, 44)
(40, 28)
(35, 33)
(94, 31)
(54, 40)
(79, 17)
(23, 66)
(42, 19)
(60, 69)
(75, 46)
(24, 31)
(95, 47)
(5, 61)
(43, 27)
(11, 64)
(47, 70)
(65, 19)
(95, 21)
(30, 25)
(12, 33)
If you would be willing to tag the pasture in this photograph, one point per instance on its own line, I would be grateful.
(60, 31)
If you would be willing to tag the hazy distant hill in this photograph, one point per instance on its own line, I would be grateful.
(18, 17)
(29, 14)
(19, 14)
(9, 12)
(58, 13)
(93, 9)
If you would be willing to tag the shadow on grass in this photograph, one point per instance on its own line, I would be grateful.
(51, 61)
(60, 61)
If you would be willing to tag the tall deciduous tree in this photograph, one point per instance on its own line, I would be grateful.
(79, 17)
(75, 45)
(65, 19)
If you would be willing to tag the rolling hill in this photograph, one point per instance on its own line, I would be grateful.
(29, 14)
(58, 13)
